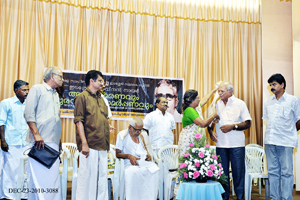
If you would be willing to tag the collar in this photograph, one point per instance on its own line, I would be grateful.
(283, 97)
(48, 87)
(98, 94)
(15, 99)
(159, 111)
(230, 99)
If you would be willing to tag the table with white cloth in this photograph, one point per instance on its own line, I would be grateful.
(211, 190)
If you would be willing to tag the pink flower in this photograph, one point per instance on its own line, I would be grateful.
(196, 174)
(183, 165)
(198, 135)
(197, 164)
(201, 154)
(210, 173)
(186, 155)
(212, 167)
(220, 165)
(191, 145)
(220, 173)
(185, 175)
(207, 145)
(214, 157)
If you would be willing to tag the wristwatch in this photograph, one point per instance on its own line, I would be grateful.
(235, 127)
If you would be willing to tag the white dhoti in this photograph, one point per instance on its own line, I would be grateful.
(92, 176)
(140, 183)
(44, 183)
(9, 176)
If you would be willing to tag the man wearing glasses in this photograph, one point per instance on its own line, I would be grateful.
(131, 145)
(160, 124)
(167, 88)
(42, 114)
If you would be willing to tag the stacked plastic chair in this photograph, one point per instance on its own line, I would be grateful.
(254, 169)
(64, 156)
(169, 155)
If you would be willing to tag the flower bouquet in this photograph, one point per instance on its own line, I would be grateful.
(201, 162)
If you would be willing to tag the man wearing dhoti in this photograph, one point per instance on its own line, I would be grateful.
(13, 130)
(141, 176)
(160, 124)
(92, 136)
(42, 113)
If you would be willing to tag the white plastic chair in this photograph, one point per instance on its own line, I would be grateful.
(169, 155)
(64, 156)
(74, 177)
(111, 176)
(254, 169)
(72, 147)
(255, 179)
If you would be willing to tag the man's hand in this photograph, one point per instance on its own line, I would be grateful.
(213, 136)
(85, 150)
(133, 160)
(227, 128)
(148, 157)
(4, 146)
(39, 142)
(111, 129)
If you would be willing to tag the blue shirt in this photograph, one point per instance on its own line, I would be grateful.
(281, 116)
(11, 117)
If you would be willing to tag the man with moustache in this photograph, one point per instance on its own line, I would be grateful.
(92, 136)
(282, 113)
(13, 130)
(160, 124)
(42, 113)
(230, 137)
(168, 89)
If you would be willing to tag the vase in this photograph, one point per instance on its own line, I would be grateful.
(201, 180)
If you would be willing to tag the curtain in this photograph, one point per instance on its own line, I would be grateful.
(201, 41)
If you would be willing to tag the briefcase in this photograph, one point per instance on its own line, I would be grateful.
(46, 156)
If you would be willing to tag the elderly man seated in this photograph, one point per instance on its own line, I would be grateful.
(141, 175)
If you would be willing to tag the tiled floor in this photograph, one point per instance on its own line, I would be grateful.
(254, 195)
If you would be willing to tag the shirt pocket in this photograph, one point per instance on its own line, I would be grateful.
(233, 115)
(287, 112)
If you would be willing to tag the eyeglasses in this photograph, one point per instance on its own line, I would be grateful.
(136, 130)
(58, 75)
(168, 96)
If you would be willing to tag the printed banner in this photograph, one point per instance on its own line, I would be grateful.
(128, 95)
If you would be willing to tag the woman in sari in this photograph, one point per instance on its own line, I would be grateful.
(192, 119)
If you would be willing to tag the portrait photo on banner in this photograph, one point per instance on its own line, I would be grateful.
(127, 95)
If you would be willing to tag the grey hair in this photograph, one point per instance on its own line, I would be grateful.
(229, 86)
(48, 72)
(136, 121)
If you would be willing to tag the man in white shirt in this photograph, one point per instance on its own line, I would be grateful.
(282, 112)
(160, 124)
(42, 113)
(141, 176)
(230, 138)
(13, 131)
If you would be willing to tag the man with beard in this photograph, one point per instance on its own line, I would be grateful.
(160, 124)
(282, 112)
(13, 130)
